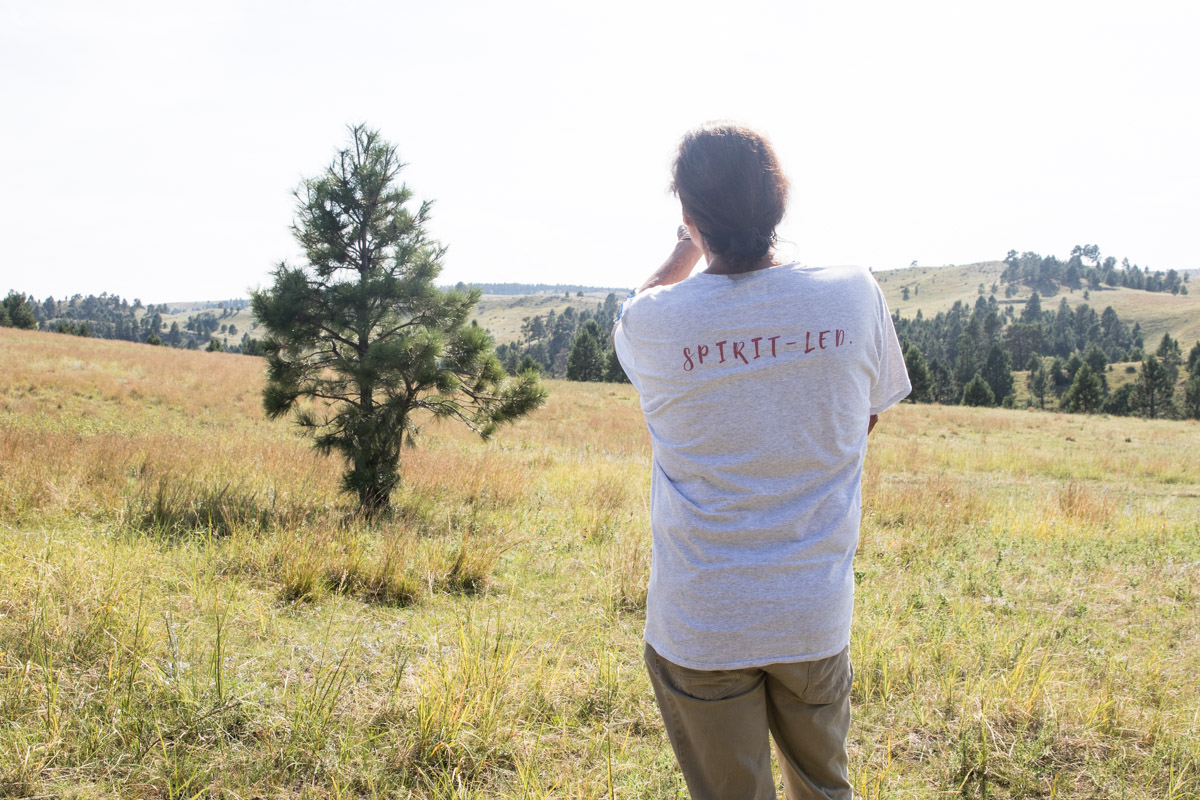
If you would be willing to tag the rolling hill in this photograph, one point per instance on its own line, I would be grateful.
(934, 289)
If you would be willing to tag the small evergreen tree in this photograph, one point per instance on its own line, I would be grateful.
(1072, 366)
(1153, 390)
(362, 328)
(1120, 403)
(1085, 394)
(586, 362)
(251, 347)
(1095, 358)
(1170, 356)
(978, 393)
(18, 312)
(997, 371)
(1032, 313)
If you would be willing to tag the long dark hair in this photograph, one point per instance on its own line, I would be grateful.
(728, 179)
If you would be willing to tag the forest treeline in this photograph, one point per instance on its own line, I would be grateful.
(968, 355)
(965, 355)
(110, 316)
(572, 344)
(1084, 268)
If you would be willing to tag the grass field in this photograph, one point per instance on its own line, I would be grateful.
(187, 610)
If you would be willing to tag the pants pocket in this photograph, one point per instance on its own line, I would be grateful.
(829, 679)
(709, 685)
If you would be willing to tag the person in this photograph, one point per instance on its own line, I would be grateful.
(759, 382)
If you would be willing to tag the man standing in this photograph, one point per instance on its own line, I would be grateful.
(759, 382)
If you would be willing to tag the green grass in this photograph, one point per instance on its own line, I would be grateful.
(188, 610)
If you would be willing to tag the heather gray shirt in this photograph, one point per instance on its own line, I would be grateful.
(757, 389)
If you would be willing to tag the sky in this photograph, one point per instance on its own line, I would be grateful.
(151, 149)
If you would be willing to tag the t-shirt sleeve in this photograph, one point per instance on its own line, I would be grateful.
(891, 378)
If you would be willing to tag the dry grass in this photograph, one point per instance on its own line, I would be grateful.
(187, 609)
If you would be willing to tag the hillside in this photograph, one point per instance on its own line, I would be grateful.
(934, 289)
(502, 314)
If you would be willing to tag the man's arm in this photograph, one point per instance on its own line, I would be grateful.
(677, 267)
(871, 423)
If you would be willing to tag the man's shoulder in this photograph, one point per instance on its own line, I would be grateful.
(847, 273)
(663, 297)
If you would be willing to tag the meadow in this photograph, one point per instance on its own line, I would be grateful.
(188, 609)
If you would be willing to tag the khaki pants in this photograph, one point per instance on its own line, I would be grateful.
(718, 720)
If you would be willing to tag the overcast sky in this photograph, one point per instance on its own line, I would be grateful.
(150, 148)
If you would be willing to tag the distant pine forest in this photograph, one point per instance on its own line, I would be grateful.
(1084, 269)
(1044, 354)
(110, 316)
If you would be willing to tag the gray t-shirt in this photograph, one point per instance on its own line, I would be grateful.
(757, 389)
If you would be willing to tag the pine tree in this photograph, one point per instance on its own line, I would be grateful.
(1085, 394)
(1032, 313)
(1170, 356)
(586, 362)
(997, 371)
(1120, 403)
(978, 393)
(1154, 390)
(1095, 358)
(362, 329)
(18, 312)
